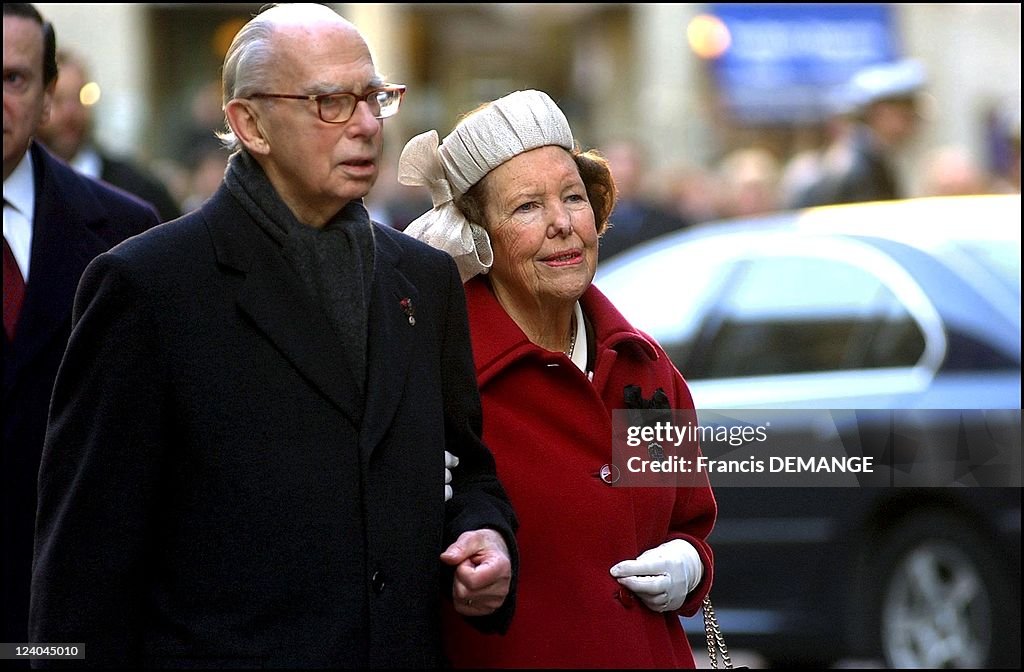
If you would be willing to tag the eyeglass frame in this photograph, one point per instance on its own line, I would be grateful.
(318, 97)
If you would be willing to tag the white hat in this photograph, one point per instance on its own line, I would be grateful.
(481, 142)
(886, 81)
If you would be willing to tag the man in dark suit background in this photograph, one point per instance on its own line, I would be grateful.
(245, 459)
(68, 133)
(55, 222)
(883, 105)
(638, 217)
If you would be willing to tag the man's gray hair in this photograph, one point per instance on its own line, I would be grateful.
(246, 67)
(249, 59)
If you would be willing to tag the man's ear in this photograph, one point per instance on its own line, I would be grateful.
(243, 118)
(48, 93)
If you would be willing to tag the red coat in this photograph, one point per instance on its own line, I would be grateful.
(550, 430)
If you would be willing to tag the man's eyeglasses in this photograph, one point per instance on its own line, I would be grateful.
(337, 108)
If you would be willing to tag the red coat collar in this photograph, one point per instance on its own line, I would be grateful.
(498, 341)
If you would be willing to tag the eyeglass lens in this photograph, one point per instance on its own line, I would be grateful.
(341, 106)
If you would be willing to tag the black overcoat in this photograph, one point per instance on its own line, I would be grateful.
(216, 492)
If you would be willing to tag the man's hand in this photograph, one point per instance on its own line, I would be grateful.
(483, 571)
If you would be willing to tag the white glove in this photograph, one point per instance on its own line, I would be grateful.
(450, 461)
(662, 577)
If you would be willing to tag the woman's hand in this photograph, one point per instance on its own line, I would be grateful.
(662, 577)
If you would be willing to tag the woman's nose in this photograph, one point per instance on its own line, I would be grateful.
(561, 223)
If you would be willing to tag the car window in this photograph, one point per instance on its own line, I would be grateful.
(801, 314)
(667, 291)
(1000, 259)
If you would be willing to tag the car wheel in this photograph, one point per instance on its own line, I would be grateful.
(944, 599)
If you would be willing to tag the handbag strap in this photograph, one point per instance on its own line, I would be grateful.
(716, 642)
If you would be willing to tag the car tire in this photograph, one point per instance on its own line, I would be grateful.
(942, 597)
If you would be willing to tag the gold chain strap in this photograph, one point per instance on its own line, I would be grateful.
(716, 642)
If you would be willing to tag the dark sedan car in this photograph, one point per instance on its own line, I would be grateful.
(870, 312)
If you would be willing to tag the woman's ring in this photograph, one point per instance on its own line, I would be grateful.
(469, 603)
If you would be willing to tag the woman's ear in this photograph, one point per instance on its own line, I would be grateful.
(243, 118)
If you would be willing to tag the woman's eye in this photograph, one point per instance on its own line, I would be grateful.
(526, 207)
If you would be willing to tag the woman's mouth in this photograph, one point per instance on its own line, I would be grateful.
(566, 258)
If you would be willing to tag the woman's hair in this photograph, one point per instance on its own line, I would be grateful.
(595, 173)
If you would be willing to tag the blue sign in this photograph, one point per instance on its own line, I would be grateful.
(788, 62)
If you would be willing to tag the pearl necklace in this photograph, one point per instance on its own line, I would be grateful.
(572, 339)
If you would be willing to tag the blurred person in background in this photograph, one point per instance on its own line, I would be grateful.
(195, 164)
(205, 119)
(1014, 169)
(607, 570)
(69, 134)
(637, 217)
(952, 171)
(244, 465)
(204, 171)
(691, 191)
(859, 165)
(801, 174)
(749, 180)
(55, 221)
(1010, 182)
(804, 171)
(1002, 146)
(395, 204)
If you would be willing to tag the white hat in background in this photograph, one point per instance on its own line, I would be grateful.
(886, 81)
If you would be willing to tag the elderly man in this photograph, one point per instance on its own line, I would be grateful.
(246, 454)
(55, 222)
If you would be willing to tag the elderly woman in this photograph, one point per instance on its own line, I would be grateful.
(605, 571)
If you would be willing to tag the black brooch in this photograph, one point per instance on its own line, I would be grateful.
(647, 412)
(633, 398)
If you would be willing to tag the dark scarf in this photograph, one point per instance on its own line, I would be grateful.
(335, 262)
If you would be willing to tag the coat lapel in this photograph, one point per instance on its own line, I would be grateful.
(64, 241)
(392, 337)
(277, 303)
